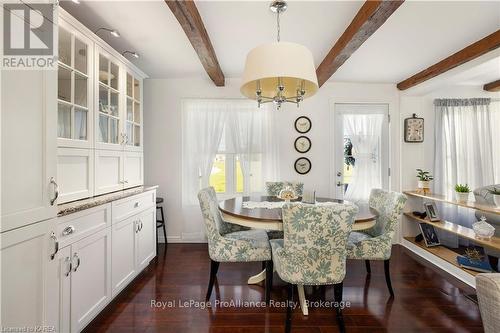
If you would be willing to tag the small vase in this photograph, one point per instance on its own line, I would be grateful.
(496, 199)
(424, 186)
(462, 196)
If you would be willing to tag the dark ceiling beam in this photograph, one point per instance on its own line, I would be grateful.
(369, 18)
(477, 49)
(492, 86)
(187, 14)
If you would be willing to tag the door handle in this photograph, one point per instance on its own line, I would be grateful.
(68, 260)
(56, 245)
(339, 184)
(56, 191)
(75, 255)
(136, 226)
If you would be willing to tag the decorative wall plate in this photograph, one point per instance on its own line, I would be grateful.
(302, 165)
(302, 144)
(414, 129)
(303, 124)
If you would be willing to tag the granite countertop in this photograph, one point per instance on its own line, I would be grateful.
(76, 206)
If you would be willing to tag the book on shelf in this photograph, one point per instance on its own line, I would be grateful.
(475, 259)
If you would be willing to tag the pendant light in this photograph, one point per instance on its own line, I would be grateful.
(280, 72)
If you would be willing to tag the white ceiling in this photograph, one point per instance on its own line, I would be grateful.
(417, 35)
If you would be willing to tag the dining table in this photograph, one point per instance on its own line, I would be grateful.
(264, 212)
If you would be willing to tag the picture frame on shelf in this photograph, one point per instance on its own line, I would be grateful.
(432, 211)
(429, 234)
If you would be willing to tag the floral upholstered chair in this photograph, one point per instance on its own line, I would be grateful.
(376, 243)
(228, 242)
(274, 188)
(313, 251)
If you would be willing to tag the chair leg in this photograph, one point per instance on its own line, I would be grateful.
(288, 322)
(388, 276)
(337, 294)
(214, 267)
(163, 225)
(269, 280)
(368, 267)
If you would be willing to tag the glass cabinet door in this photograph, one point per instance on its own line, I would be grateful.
(133, 119)
(73, 86)
(109, 101)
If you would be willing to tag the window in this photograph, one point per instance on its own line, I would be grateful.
(227, 144)
(227, 176)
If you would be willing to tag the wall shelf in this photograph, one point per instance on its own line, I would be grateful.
(458, 230)
(443, 198)
(441, 252)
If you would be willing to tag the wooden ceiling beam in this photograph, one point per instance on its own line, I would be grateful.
(477, 49)
(187, 14)
(492, 86)
(369, 18)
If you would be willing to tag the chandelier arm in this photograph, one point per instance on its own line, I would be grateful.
(270, 98)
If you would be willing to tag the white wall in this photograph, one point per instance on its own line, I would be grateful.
(163, 136)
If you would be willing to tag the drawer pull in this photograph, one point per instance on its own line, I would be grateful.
(68, 230)
(137, 204)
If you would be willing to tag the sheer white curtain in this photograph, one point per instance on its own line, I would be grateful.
(467, 143)
(365, 132)
(253, 141)
(250, 136)
(202, 124)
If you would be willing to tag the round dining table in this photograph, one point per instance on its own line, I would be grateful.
(269, 218)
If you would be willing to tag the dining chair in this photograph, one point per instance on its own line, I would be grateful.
(274, 188)
(313, 251)
(228, 242)
(376, 243)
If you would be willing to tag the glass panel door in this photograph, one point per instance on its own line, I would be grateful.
(133, 126)
(361, 156)
(109, 101)
(72, 88)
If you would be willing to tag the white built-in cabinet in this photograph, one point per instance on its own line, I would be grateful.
(99, 109)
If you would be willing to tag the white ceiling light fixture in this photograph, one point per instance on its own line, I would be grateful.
(279, 72)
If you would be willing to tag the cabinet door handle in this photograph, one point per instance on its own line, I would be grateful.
(136, 226)
(68, 260)
(68, 230)
(77, 262)
(56, 191)
(141, 225)
(125, 181)
(56, 245)
(137, 204)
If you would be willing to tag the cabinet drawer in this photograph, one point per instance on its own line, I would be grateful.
(127, 207)
(74, 227)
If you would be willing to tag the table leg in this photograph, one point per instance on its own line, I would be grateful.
(302, 300)
(257, 278)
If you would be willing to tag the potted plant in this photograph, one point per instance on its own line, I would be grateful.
(462, 192)
(496, 195)
(424, 180)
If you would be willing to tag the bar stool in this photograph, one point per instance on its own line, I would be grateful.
(160, 223)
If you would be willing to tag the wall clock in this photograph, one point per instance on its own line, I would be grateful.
(414, 129)
(302, 144)
(302, 165)
(303, 124)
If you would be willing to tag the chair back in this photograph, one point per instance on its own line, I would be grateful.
(389, 206)
(211, 214)
(274, 188)
(315, 240)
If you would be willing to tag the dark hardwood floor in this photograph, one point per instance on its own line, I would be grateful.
(427, 300)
